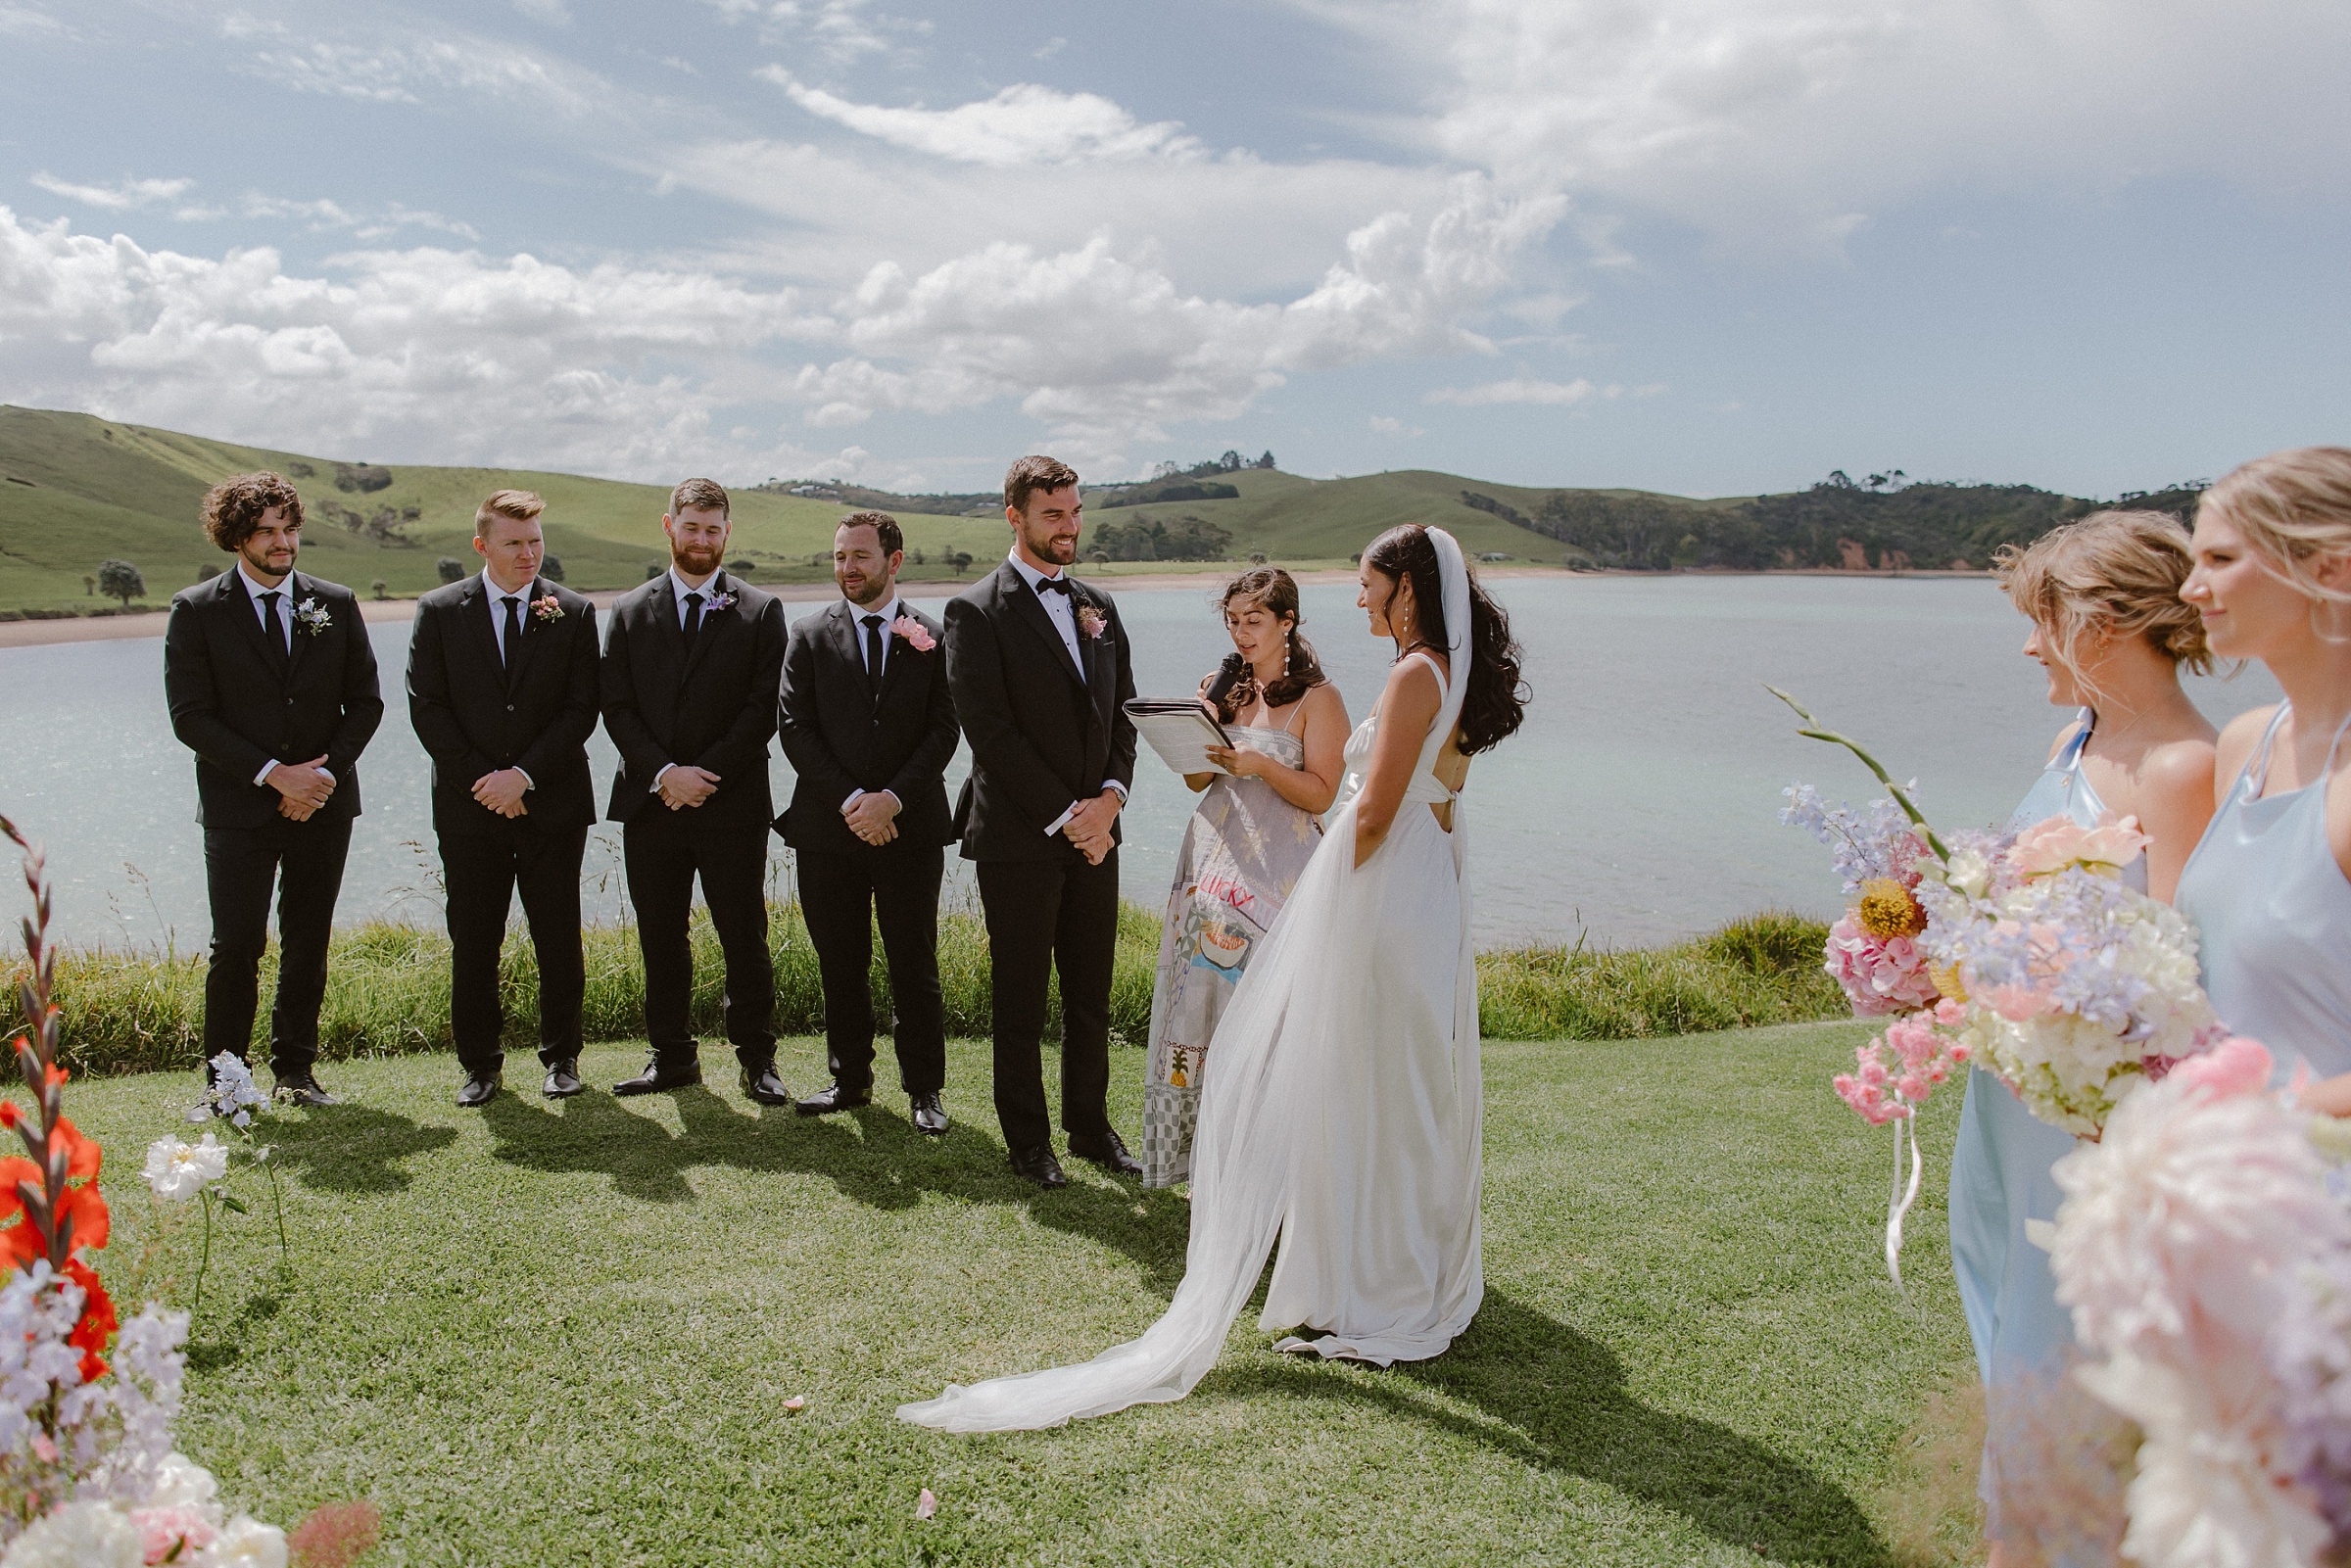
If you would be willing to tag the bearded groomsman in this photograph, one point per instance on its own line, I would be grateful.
(1040, 670)
(692, 662)
(868, 726)
(271, 683)
(503, 693)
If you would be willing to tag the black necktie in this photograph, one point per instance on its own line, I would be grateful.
(693, 621)
(1053, 585)
(873, 654)
(273, 630)
(512, 640)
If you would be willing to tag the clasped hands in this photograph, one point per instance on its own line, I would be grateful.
(873, 816)
(683, 786)
(1088, 827)
(302, 787)
(503, 792)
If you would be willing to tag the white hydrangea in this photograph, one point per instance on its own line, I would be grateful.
(80, 1535)
(246, 1542)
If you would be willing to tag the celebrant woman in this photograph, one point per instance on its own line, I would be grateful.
(2270, 885)
(1343, 1109)
(2109, 630)
(1255, 829)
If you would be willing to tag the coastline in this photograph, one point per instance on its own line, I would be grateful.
(150, 623)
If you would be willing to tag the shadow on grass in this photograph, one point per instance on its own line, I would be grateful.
(872, 1156)
(353, 1148)
(1549, 1397)
(212, 1355)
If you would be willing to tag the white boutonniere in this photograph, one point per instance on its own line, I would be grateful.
(719, 601)
(311, 617)
(913, 633)
(1092, 621)
(545, 608)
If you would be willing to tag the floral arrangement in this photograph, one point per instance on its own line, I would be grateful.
(1092, 621)
(547, 607)
(2206, 1256)
(311, 617)
(914, 634)
(2025, 953)
(88, 1477)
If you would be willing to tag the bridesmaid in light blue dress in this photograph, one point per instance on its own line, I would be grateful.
(2109, 628)
(2270, 886)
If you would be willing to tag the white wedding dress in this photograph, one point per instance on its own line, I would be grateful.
(1342, 1113)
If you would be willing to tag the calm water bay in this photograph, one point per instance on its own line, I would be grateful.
(1639, 803)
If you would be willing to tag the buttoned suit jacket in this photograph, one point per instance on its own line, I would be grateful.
(715, 710)
(840, 736)
(234, 705)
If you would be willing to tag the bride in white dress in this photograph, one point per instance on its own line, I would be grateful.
(1342, 1110)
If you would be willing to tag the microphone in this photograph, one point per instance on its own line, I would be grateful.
(1228, 673)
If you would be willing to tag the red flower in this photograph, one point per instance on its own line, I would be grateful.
(21, 1240)
(96, 1330)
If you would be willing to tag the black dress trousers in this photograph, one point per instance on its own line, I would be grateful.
(302, 862)
(481, 871)
(843, 897)
(664, 851)
(1046, 915)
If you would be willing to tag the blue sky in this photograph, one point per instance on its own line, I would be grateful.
(1702, 246)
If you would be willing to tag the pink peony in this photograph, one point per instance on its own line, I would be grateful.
(1879, 974)
(2050, 846)
(2016, 1003)
(175, 1532)
(916, 637)
(2237, 1066)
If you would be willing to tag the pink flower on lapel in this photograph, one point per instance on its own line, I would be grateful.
(1092, 621)
(912, 630)
(545, 608)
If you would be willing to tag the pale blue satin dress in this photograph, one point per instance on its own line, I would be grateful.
(2000, 1167)
(2273, 915)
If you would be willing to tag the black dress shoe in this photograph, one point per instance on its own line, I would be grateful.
(655, 1077)
(764, 1085)
(1040, 1167)
(479, 1089)
(562, 1078)
(830, 1098)
(929, 1116)
(1109, 1152)
(304, 1091)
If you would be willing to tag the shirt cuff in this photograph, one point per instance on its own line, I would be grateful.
(656, 788)
(1118, 787)
(328, 774)
(528, 782)
(855, 796)
(267, 768)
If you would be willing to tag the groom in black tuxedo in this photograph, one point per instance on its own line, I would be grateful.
(693, 661)
(1039, 668)
(868, 725)
(271, 683)
(503, 693)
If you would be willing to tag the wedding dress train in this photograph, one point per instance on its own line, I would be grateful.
(1342, 1114)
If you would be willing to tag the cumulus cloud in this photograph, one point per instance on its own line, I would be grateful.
(1792, 117)
(1022, 124)
(1517, 389)
(130, 194)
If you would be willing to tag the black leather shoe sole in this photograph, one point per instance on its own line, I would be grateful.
(649, 1084)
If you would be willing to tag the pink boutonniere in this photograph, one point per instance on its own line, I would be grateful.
(914, 634)
(544, 609)
(1092, 621)
(719, 601)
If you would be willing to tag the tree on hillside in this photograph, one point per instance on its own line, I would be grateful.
(121, 580)
(551, 568)
(448, 569)
(1265, 461)
(89, 585)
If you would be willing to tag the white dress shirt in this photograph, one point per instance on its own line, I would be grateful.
(285, 627)
(1062, 610)
(889, 614)
(497, 597)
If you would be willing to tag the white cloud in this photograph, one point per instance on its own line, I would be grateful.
(402, 67)
(1022, 124)
(842, 31)
(128, 195)
(1791, 118)
(26, 22)
(1519, 389)
(324, 215)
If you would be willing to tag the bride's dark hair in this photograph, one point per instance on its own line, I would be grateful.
(1275, 591)
(1494, 700)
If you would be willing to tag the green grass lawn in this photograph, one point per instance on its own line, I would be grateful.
(566, 1334)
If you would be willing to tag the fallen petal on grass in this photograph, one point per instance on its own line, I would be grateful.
(795, 1403)
(927, 1504)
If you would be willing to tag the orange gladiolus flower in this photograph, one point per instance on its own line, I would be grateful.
(21, 1240)
(96, 1329)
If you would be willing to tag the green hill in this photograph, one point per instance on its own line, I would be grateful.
(77, 491)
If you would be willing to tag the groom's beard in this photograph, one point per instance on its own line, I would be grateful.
(694, 561)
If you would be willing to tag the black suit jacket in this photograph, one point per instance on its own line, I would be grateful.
(1042, 738)
(475, 718)
(235, 711)
(841, 737)
(715, 711)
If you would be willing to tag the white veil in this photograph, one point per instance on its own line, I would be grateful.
(1285, 1024)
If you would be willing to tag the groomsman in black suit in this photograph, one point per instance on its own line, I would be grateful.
(1041, 672)
(503, 693)
(271, 683)
(868, 726)
(692, 662)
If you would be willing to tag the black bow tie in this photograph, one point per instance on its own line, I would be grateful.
(1052, 585)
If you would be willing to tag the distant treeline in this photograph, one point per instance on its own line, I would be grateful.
(1882, 523)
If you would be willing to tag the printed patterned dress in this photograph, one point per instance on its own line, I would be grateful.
(1242, 853)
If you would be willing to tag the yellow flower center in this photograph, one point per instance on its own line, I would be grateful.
(1887, 911)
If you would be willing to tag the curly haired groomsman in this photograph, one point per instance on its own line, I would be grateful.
(271, 683)
(1041, 672)
(869, 728)
(503, 693)
(692, 662)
